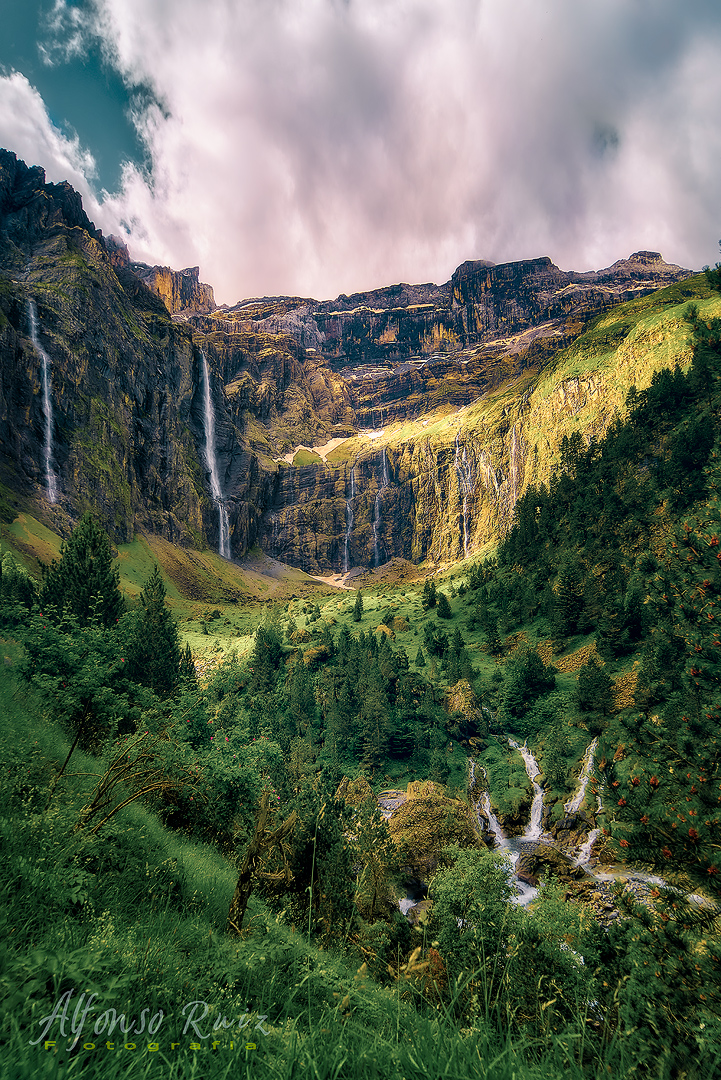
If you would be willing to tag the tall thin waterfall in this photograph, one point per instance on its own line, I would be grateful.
(212, 463)
(377, 511)
(574, 805)
(465, 483)
(533, 830)
(585, 850)
(349, 521)
(485, 806)
(50, 481)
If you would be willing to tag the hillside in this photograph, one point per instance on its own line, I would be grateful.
(411, 402)
(361, 671)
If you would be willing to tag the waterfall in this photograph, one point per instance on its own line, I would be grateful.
(533, 830)
(349, 521)
(50, 481)
(574, 804)
(465, 484)
(524, 893)
(485, 806)
(211, 461)
(584, 852)
(377, 511)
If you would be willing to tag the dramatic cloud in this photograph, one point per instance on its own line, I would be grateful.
(319, 146)
(26, 129)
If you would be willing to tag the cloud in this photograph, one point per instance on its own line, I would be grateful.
(320, 146)
(26, 129)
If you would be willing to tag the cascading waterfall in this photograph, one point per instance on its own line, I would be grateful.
(465, 484)
(574, 804)
(485, 807)
(349, 522)
(534, 829)
(212, 463)
(377, 511)
(584, 852)
(524, 893)
(50, 481)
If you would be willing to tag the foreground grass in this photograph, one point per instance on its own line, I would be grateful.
(136, 917)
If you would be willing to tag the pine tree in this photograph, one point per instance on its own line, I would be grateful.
(84, 576)
(358, 607)
(443, 609)
(428, 599)
(154, 653)
(666, 790)
(593, 688)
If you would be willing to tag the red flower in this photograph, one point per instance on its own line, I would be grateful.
(654, 781)
(712, 870)
(622, 801)
(693, 835)
(644, 819)
(666, 852)
(635, 781)
(623, 843)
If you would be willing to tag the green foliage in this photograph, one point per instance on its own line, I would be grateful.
(17, 591)
(83, 672)
(429, 595)
(358, 606)
(667, 812)
(506, 965)
(593, 688)
(154, 652)
(443, 606)
(84, 579)
(528, 678)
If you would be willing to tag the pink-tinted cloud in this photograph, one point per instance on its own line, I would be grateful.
(320, 146)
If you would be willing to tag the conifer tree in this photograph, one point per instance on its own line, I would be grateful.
(155, 655)
(428, 599)
(358, 607)
(83, 576)
(443, 609)
(667, 810)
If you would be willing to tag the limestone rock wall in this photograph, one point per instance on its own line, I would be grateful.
(180, 290)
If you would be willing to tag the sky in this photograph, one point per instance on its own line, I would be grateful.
(314, 147)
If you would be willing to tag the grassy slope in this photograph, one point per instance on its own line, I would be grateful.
(219, 604)
(137, 917)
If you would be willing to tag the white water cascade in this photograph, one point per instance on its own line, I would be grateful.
(485, 808)
(212, 463)
(50, 481)
(584, 852)
(465, 483)
(377, 511)
(574, 805)
(534, 829)
(349, 522)
(525, 893)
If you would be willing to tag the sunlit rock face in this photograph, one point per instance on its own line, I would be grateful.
(438, 399)
(180, 290)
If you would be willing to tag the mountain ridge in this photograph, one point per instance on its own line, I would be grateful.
(127, 344)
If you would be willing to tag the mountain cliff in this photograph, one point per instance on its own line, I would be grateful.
(424, 410)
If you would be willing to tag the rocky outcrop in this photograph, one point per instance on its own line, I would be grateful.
(127, 433)
(511, 297)
(126, 344)
(181, 291)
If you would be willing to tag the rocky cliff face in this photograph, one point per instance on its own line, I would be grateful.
(126, 426)
(449, 373)
(181, 291)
